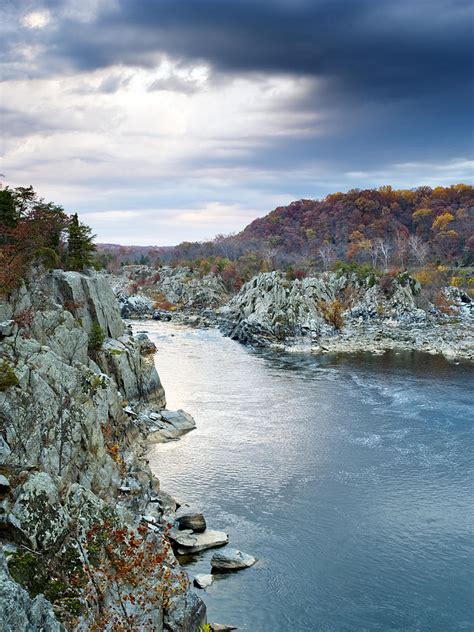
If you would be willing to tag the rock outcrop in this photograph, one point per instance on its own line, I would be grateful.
(145, 292)
(332, 312)
(76, 391)
(20, 612)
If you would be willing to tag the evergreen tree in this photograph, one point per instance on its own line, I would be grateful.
(80, 246)
(8, 210)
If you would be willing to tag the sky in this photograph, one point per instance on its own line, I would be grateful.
(160, 121)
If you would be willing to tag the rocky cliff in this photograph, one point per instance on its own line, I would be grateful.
(333, 312)
(80, 513)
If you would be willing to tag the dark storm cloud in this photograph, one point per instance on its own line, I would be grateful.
(379, 48)
(374, 47)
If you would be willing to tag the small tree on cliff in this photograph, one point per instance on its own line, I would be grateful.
(80, 245)
(8, 212)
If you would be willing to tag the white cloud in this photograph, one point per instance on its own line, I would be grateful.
(36, 19)
(110, 216)
(90, 148)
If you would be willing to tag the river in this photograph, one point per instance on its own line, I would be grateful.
(350, 478)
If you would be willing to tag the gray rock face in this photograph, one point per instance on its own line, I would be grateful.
(231, 560)
(270, 308)
(90, 298)
(37, 515)
(129, 361)
(20, 613)
(271, 311)
(178, 286)
(71, 444)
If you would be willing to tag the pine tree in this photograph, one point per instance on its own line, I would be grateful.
(8, 211)
(80, 246)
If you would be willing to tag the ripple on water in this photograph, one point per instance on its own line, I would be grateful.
(350, 479)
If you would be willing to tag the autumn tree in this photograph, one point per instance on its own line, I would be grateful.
(384, 248)
(418, 248)
(34, 231)
(327, 255)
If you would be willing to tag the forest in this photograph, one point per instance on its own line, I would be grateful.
(427, 230)
(383, 228)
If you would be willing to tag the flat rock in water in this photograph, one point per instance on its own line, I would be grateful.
(219, 627)
(231, 560)
(180, 419)
(189, 542)
(169, 426)
(203, 581)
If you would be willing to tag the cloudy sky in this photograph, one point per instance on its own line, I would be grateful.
(165, 120)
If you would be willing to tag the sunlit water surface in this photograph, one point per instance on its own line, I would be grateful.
(350, 478)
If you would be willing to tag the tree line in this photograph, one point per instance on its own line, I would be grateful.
(383, 228)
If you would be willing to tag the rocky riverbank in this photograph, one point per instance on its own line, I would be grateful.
(146, 292)
(83, 522)
(327, 313)
(337, 313)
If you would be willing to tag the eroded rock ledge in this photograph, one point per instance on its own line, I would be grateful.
(81, 515)
(334, 313)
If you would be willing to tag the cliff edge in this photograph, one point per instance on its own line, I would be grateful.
(84, 544)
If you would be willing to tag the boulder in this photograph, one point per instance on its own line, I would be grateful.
(7, 328)
(203, 581)
(189, 518)
(186, 613)
(135, 306)
(231, 560)
(147, 347)
(180, 419)
(189, 542)
(168, 425)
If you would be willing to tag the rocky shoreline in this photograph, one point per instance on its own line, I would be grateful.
(300, 315)
(85, 529)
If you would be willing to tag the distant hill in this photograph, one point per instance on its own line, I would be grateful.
(383, 227)
(353, 223)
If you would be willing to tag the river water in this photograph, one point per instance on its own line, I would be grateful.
(350, 478)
